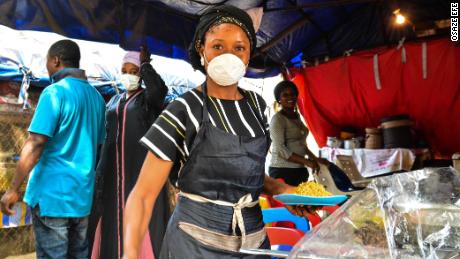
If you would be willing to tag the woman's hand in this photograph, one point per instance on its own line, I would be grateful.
(312, 164)
(303, 210)
(289, 189)
(300, 210)
(144, 56)
(323, 161)
(274, 187)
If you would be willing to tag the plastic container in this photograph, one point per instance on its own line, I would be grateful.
(456, 161)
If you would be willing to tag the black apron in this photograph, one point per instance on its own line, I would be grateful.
(224, 167)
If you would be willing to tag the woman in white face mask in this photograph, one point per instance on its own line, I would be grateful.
(129, 116)
(130, 71)
(217, 136)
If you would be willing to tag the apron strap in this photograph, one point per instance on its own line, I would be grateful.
(258, 113)
(252, 106)
(254, 109)
(205, 116)
(237, 219)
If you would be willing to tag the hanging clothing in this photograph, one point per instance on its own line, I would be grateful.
(222, 145)
(128, 119)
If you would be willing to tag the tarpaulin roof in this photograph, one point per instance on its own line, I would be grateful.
(289, 30)
(25, 52)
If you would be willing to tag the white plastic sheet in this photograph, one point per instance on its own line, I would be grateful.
(374, 162)
(410, 215)
(101, 61)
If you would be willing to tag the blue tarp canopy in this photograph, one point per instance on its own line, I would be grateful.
(24, 53)
(290, 31)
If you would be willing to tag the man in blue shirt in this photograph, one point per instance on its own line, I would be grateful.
(60, 152)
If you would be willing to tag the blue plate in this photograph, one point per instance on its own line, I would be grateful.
(294, 199)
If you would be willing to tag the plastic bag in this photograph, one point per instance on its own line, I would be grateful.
(407, 215)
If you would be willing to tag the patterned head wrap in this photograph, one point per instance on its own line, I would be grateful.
(216, 16)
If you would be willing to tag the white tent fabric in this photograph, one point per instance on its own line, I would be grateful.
(101, 61)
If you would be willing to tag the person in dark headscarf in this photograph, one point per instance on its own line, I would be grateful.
(218, 135)
(216, 16)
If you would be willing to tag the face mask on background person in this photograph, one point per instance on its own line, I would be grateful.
(130, 82)
(226, 69)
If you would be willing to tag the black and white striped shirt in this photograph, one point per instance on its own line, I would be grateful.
(172, 134)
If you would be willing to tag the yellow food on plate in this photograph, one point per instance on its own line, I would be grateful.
(311, 189)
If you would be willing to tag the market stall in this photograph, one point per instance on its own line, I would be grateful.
(23, 76)
(16, 235)
(407, 92)
(411, 72)
(410, 215)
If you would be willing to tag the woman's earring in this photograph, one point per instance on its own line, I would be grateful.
(202, 61)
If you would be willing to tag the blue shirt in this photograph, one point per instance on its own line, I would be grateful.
(72, 114)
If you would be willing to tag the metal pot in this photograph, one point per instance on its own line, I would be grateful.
(352, 143)
(333, 142)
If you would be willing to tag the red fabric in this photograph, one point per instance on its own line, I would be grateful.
(343, 93)
(146, 247)
(331, 209)
(314, 219)
(96, 252)
(283, 236)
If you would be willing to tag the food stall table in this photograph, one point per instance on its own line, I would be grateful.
(375, 162)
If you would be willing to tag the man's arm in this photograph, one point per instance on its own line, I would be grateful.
(30, 155)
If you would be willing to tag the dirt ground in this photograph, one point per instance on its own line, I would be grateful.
(27, 256)
(16, 241)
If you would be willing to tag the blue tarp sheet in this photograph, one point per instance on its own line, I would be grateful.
(289, 30)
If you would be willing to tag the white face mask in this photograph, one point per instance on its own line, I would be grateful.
(130, 82)
(226, 69)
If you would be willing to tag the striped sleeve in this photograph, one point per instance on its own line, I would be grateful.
(261, 106)
(166, 137)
